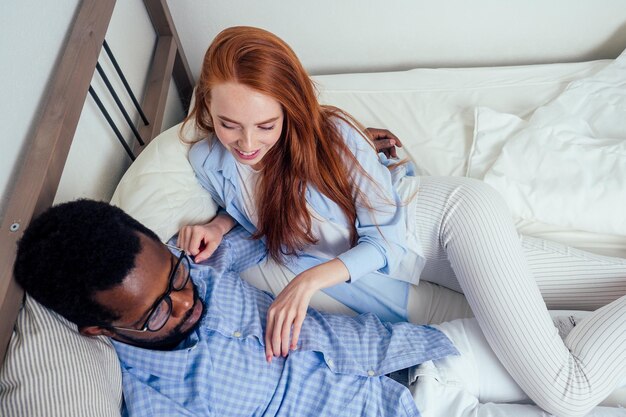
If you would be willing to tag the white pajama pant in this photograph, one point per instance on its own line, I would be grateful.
(472, 247)
(475, 384)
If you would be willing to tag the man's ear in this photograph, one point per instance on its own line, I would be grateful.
(95, 331)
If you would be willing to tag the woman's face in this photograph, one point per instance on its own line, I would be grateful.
(247, 122)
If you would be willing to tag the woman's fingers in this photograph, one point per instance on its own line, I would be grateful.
(278, 333)
(284, 337)
(183, 238)
(206, 250)
(285, 318)
(269, 330)
(198, 241)
(195, 240)
(297, 326)
(275, 335)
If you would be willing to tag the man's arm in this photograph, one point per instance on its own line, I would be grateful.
(244, 251)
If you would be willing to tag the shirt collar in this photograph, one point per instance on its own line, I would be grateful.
(220, 159)
(151, 361)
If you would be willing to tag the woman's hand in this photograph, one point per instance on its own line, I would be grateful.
(200, 241)
(288, 311)
(286, 315)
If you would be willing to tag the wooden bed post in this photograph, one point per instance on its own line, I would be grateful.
(164, 26)
(40, 172)
(41, 169)
(169, 58)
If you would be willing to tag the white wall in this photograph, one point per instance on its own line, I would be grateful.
(333, 36)
(328, 35)
(32, 35)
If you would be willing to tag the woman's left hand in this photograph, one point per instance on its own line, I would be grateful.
(286, 315)
(288, 311)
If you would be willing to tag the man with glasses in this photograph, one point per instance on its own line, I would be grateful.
(190, 337)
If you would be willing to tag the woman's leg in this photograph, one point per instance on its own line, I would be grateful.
(475, 383)
(465, 224)
(569, 278)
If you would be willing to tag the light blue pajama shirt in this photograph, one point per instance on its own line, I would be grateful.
(381, 264)
(337, 369)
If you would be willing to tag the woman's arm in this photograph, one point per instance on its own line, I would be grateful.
(201, 240)
(381, 223)
(286, 314)
(381, 232)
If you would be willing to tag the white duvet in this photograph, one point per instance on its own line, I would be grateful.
(566, 165)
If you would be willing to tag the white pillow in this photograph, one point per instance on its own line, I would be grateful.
(566, 165)
(52, 370)
(491, 131)
(432, 110)
(160, 189)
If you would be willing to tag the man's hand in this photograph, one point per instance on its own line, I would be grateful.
(384, 141)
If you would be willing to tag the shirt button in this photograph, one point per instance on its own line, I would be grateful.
(237, 334)
(330, 362)
(371, 373)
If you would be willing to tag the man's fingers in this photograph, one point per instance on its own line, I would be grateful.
(380, 133)
(382, 144)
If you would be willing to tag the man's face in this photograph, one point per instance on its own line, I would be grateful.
(134, 299)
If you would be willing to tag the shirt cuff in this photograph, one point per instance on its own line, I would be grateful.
(361, 260)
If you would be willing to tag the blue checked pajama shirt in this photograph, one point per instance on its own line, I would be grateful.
(220, 370)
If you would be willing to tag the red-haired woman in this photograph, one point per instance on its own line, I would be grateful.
(306, 180)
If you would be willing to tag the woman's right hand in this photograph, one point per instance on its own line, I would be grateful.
(200, 241)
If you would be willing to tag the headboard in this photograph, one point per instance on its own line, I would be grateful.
(40, 171)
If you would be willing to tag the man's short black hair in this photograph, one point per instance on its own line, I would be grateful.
(73, 250)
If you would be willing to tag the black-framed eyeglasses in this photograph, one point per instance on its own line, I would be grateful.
(162, 308)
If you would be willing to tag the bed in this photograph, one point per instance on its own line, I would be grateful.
(464, 121)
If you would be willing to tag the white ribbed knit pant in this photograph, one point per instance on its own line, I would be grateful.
(471, 246)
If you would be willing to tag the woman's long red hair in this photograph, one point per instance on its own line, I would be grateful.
(310, 152)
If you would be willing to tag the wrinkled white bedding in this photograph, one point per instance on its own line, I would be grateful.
(566, 165)
(432, 111)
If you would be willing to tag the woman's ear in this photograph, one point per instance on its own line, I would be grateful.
(95, 331)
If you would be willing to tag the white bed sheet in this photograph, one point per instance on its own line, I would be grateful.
(566, 164)
(432, 112)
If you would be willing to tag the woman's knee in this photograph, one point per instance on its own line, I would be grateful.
(475, 199)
